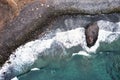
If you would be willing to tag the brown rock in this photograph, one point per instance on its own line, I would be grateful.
(91, 32)
(9, 9)
(6, 12)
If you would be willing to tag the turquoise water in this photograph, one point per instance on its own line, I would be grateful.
(104, 65)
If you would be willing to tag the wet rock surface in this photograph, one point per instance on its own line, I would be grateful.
(91, 32)
(37, 17)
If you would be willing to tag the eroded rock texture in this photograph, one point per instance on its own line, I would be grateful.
(9, 9)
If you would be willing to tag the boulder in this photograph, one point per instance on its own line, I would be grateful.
(91, 33)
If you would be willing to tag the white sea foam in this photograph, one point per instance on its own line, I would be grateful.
(71, 38)
(108, 33)
(15, 78)
(84, 53)
(25, 56)
(35, 69)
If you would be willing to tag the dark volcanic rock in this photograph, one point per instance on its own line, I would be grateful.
(91, 32)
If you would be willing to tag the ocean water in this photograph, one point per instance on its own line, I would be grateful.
(102, 65)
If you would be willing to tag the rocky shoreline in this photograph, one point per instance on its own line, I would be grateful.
(35, 18)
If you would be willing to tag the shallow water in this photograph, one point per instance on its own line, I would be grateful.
(102, 65)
